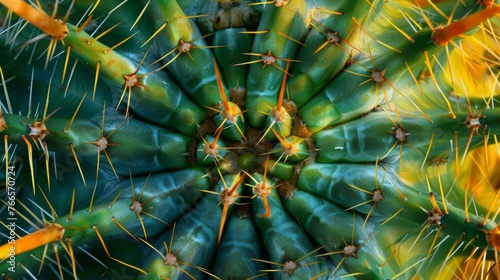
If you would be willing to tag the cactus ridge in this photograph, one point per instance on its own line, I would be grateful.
(251, 139)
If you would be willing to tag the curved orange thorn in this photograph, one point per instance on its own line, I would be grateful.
(266, 206)
(50, 233)
(446, 34)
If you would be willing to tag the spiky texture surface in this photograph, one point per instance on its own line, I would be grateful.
(296, 139)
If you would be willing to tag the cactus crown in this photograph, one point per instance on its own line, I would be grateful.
(247, 139)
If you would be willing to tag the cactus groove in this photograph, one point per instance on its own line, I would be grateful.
(251, 139)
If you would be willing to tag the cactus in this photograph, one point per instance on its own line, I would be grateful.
(299, 139)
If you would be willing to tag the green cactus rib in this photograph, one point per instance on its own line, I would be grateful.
(251, 139)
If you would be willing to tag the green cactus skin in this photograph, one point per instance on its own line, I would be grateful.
(299, 139)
